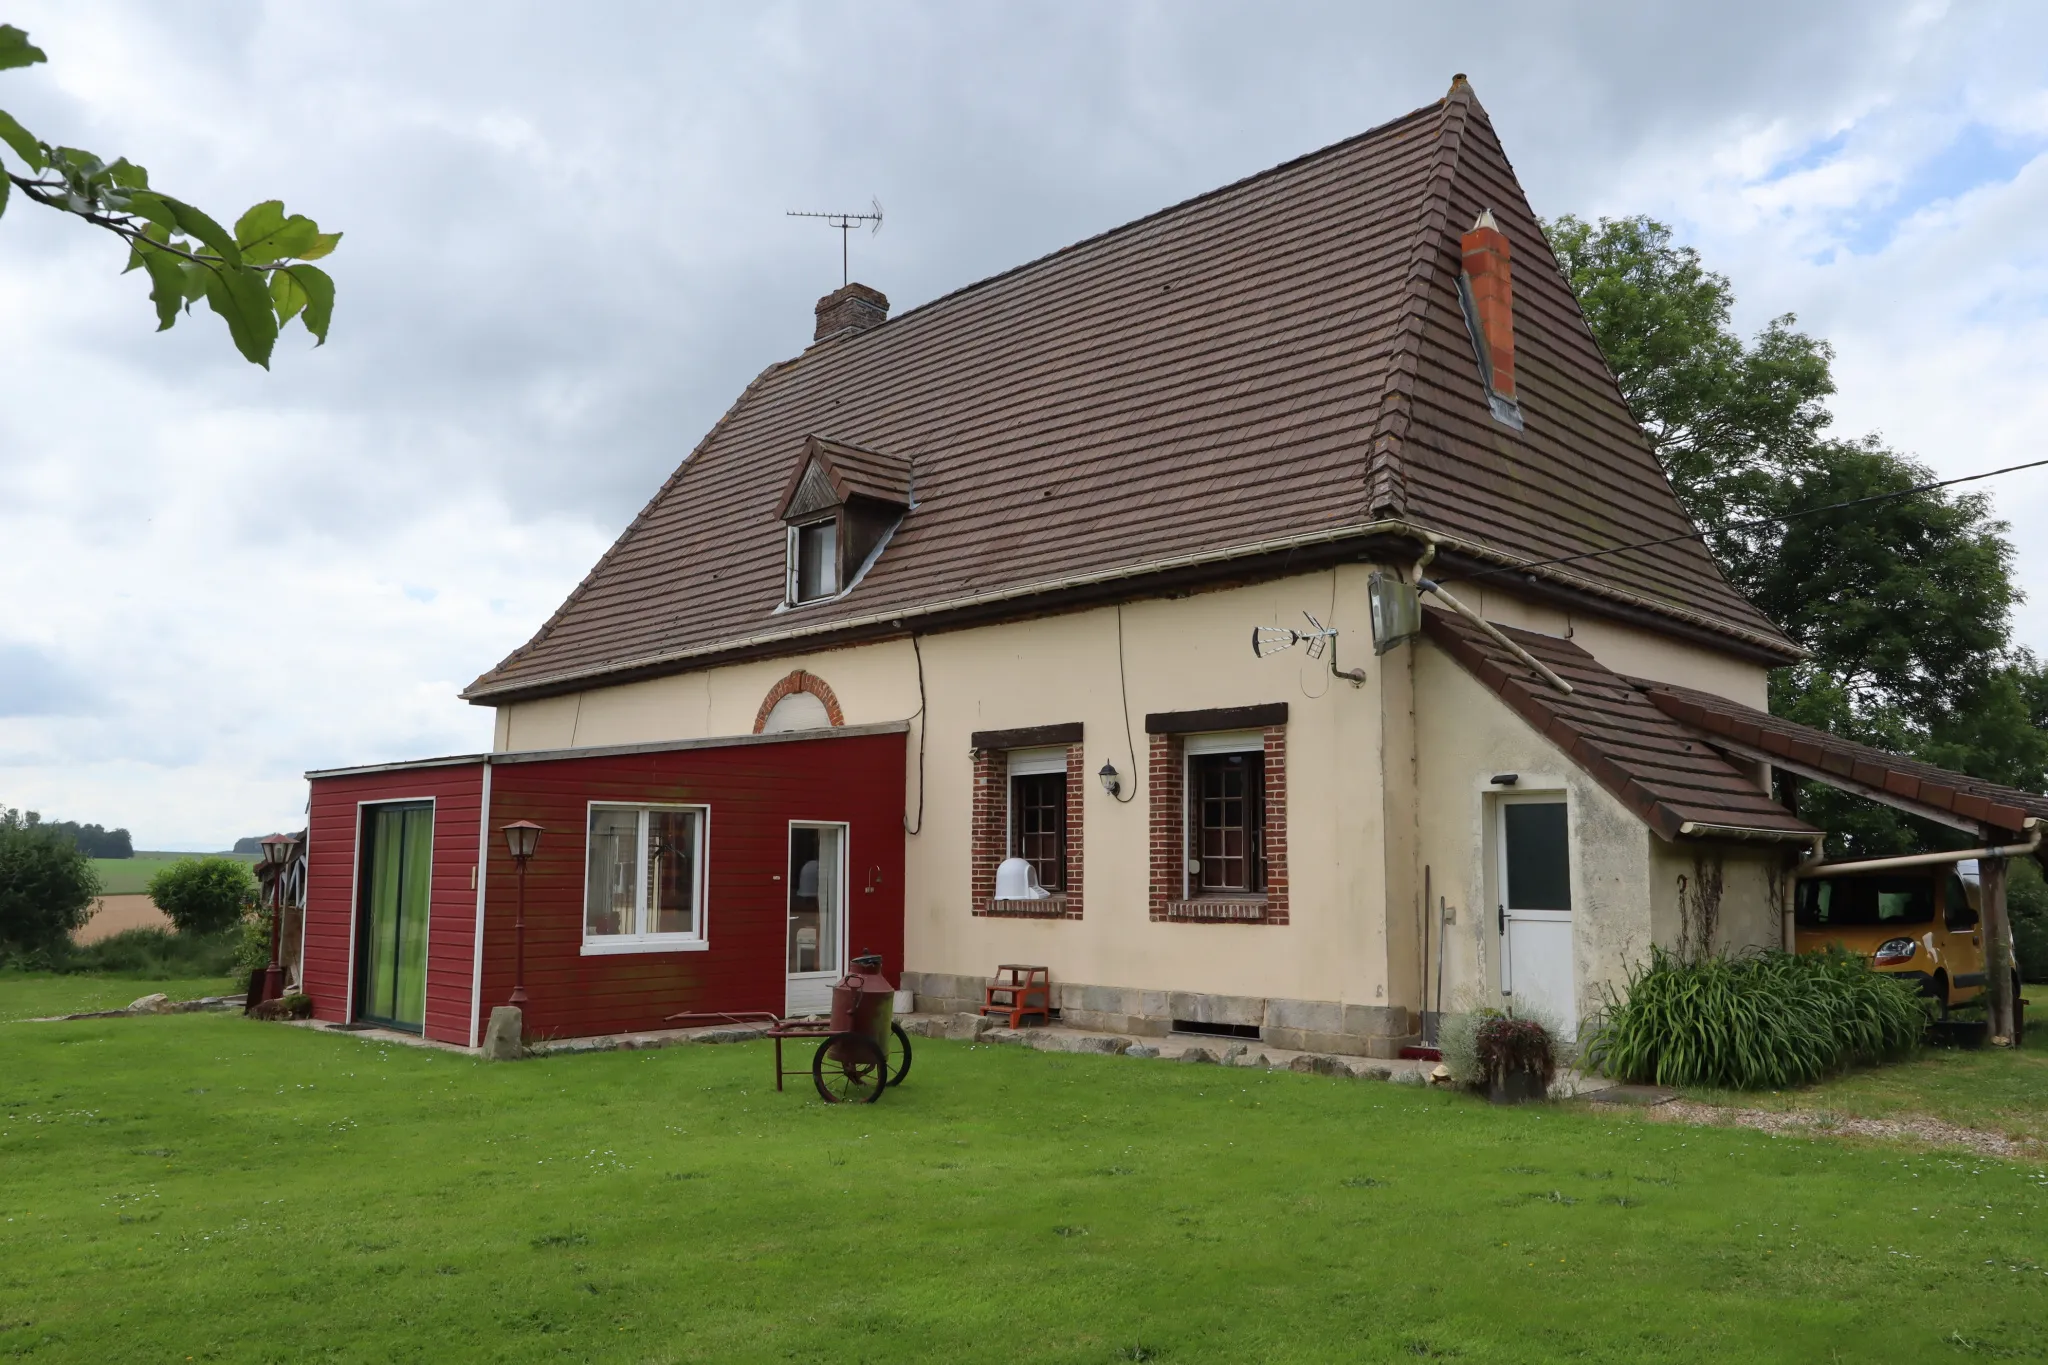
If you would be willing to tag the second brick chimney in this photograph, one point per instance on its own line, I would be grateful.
(1485, 249)
(851, 308)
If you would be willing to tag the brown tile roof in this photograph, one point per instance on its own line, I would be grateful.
(1279, 363)
(1663, 771)
(1853, 765)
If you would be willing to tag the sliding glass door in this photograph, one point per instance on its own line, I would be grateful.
(395, 877)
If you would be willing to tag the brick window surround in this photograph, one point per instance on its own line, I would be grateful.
(1170, 841)
(799, 681)
(991, 838)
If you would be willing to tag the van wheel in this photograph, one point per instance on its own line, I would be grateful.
(2019, 1013)
(1938, 989)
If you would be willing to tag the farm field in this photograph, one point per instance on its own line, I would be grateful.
(130, 876)
(181, 1186)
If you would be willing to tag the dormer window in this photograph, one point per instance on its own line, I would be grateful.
(838, 512)
(814, 560)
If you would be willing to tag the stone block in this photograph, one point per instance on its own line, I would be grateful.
(158, 1003)
(1098, 1043)
(966, 1028)
(1319, 1064)
(505, 1039)
(1205, 1008)
(1197, 1054)
(1141, 1050)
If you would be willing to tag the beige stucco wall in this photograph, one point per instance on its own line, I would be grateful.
(1384, 780)
(1629, 650)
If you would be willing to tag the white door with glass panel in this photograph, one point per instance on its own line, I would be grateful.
(1535, 909)
(817, 916)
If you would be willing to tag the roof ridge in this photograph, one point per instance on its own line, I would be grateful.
(1331, 149)
(1386, 481)
(576, 593)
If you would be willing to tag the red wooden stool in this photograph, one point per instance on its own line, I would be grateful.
(1019, 991)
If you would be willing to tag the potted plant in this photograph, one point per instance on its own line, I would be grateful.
(1517, 1059)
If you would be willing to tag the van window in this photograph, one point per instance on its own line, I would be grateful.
(1851, 901)
(1956, 904)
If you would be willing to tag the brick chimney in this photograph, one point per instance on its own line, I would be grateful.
(851, 308)
(1485, 249)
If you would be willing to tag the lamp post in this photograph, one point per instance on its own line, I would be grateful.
(277, 856)
(522, 837)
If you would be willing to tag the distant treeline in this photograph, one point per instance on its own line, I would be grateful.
(91, 840)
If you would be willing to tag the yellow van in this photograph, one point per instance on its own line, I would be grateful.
(1920, 923)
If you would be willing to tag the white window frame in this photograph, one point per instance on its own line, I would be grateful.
(793, 572)
(604, 945)
(1192, 747)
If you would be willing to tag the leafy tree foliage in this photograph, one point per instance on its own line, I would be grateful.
(204, 895)
(47, 887)
(91, 840)
(1905, 604)
(257, 278)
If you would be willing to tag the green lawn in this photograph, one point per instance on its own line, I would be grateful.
(209, 1188)
(1999, 1090)
(38, 995)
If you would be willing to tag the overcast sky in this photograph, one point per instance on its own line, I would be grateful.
(566, 253)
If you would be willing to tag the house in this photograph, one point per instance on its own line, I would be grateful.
(977, 583)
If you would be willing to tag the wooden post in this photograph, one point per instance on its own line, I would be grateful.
(1997, 950)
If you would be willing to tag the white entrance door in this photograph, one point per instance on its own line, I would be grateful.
(1536, 908)
(817, 916)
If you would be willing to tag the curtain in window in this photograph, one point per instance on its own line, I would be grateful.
(614, 859)
(401, 868)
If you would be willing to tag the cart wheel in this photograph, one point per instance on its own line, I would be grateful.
(858, 1074)
(899, 1054)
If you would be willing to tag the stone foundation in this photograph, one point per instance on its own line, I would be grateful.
(1298, 1025)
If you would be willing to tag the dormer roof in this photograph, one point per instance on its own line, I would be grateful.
(833, 473)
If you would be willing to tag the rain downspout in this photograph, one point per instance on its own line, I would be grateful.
(2032, 827)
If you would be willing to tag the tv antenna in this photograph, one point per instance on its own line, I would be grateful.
(1318, 638)
(846, 223)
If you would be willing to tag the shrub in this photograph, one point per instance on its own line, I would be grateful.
(204, 895)
(150, 954)
(252, 940)
(47, 888)
(1756, 1021)
(1504, 1044)
(2026, 900)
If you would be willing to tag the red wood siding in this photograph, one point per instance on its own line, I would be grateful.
(330, 889)
(753, 792)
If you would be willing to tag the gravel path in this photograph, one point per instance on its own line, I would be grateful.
(1912, 1128)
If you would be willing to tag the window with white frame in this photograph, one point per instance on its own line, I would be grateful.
(644, 889)
(814, 560)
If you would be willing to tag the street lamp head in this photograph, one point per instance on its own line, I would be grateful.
(1112, 780)
(522, 837)
(277, 849)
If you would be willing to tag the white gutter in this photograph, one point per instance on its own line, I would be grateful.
(2032, 845)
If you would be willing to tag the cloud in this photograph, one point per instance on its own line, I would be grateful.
(566, 253)
(34, 683)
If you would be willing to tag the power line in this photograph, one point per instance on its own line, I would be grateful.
(1697, 534)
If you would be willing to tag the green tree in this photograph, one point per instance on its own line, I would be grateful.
(1905, 605)
(204, 895)
(47, 888)
(257, 278)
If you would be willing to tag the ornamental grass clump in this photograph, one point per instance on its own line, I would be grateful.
(1755, 1021)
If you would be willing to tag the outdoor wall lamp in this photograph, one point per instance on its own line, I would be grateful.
(522, 839)
(277, 856)
(1112, 780)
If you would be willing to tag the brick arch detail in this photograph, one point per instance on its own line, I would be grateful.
(800, 681)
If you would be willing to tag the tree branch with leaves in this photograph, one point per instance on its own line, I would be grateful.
(257, 278)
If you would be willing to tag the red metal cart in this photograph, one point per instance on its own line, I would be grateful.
(862, 1050)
